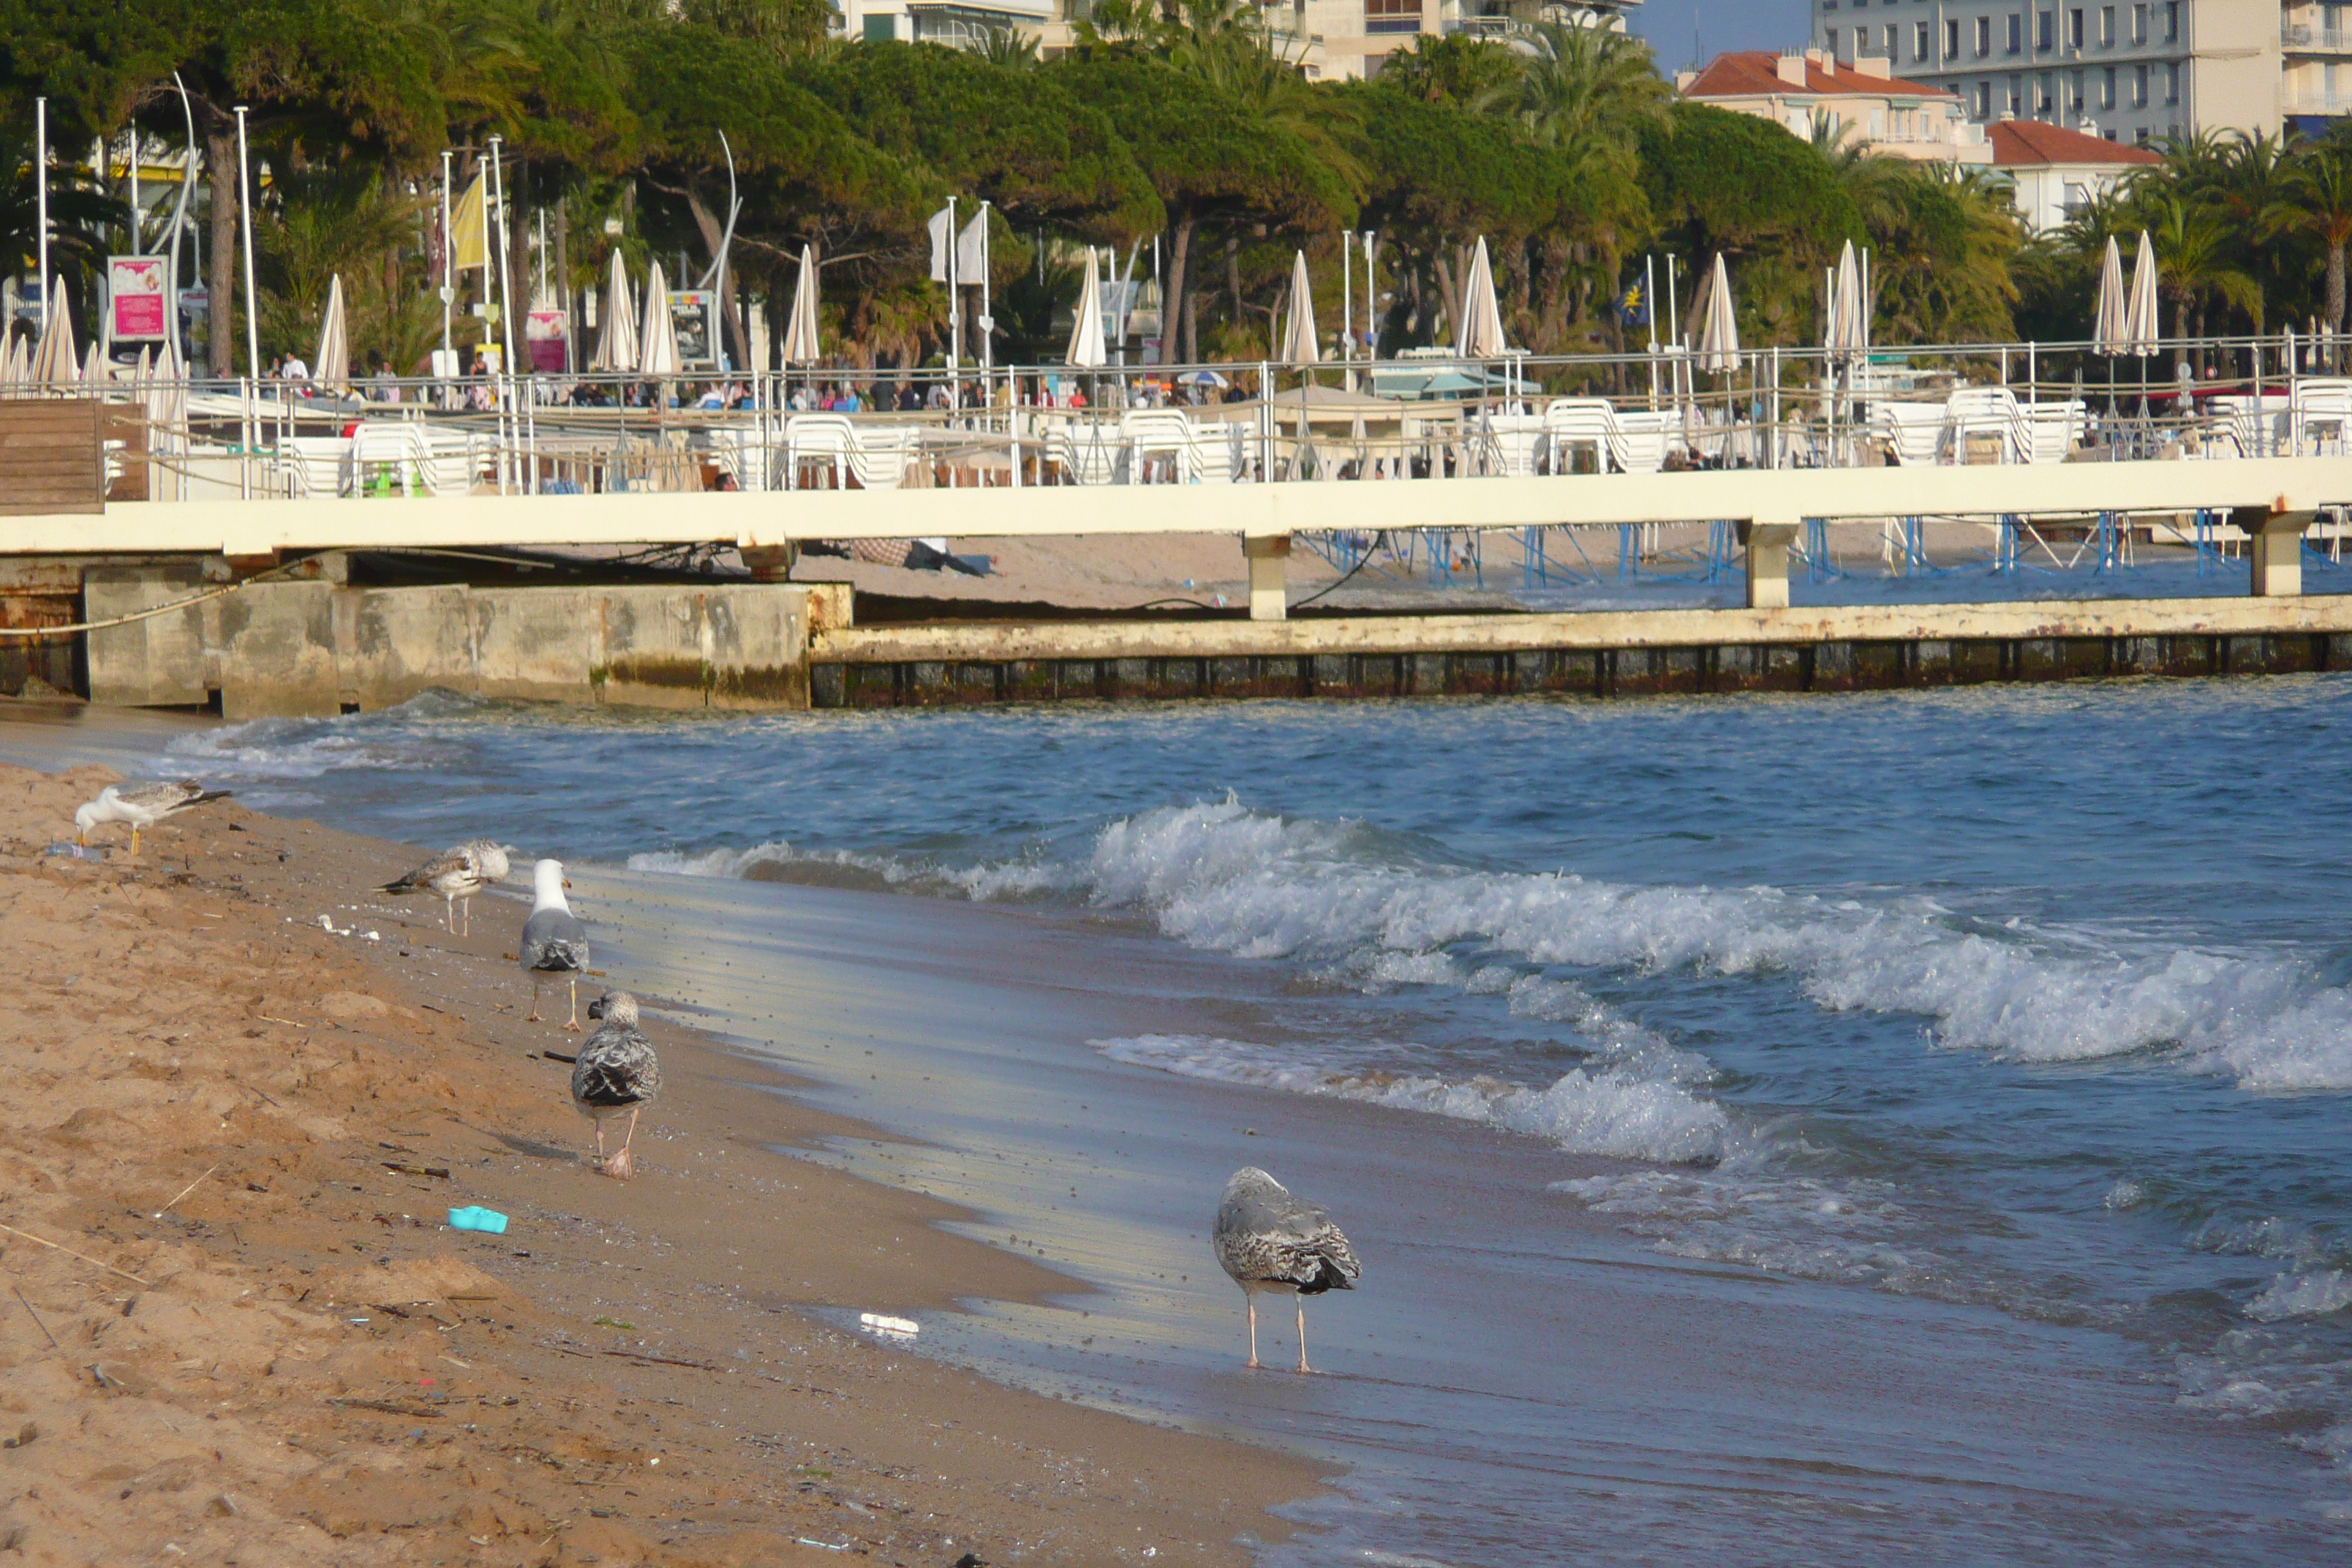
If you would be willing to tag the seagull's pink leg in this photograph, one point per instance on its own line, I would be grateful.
(1251, 1296)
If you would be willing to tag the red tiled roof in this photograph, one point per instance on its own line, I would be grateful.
(1749, 73)
(2019, 143)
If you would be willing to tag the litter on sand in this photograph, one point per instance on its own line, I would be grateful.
(897, 1328)
(475, 1217)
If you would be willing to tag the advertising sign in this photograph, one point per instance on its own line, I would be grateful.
(139, 295)
(691, 312)
(548, 333)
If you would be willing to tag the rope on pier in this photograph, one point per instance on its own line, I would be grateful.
(150, 613)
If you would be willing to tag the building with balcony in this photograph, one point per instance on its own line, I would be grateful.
(1861, 101)
(1329, 39)
(2055, 172)
(2123, 71)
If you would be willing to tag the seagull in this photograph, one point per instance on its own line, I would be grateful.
(1268, 1240)
(616, 1071)
(553, 939)
(142, 805)
(456, 875)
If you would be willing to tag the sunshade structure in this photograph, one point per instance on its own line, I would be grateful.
(1299, 346)
(1717, 349)
(16, 364)
(1086, 351)
(1481, 334)
(2111, 322)
(657, 345)
(54, 362)
(617, 334)
(1849, 335)
(2141, 322)
(800, 333)
(330, 367)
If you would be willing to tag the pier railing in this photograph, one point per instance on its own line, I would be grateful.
(1426, 416)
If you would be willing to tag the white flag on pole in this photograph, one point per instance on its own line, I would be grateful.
(971, 249)
(942, 229)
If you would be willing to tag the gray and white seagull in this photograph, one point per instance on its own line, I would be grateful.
(553, 939)
(142, 805)
(616, 1070)
(1268, 1240)
(456, 875)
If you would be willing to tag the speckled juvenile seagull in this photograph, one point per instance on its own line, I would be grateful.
(456, 875)
(553, 939)
(141, 805)
(616, 1071)
(1268, 1240)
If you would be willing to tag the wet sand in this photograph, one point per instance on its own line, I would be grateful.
(235, 1328)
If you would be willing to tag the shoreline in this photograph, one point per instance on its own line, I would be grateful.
(505, 1399)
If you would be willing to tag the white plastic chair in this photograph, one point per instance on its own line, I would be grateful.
(1986, 411)
(1914, 432)
(826, 439)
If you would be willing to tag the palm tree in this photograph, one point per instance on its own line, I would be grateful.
(2322, 182)
(1582, 85)
(2194, 262)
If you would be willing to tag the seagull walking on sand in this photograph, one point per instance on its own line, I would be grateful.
(1266, 1239)
(142, 805)
(616, 1070)
(553, 939)
(456, 875)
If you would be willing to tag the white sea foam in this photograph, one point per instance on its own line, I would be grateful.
(714, 862)
(1603, 1113)
(2303, 1296)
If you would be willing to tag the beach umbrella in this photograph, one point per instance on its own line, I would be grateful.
(799, 333)
(15, 360)
(94, 368)
(54, 363)
(330, 367)
(657, 345)
(1481, 334)
(2141, 320)
(1848, 319)
(2111, 322)
(1086, 351)
(617, 334)
(1718, 332)
(1298, 342)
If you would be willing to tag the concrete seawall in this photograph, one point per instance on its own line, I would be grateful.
(311, 648)
(1600, 654)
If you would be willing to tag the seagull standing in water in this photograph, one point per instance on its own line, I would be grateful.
(456, 875)
(142, 805)
(1267, 1240)
(616, 1071)
(553, 939)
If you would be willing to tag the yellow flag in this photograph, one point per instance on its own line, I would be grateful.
(469, 225)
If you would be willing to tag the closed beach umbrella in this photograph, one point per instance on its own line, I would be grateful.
(799, 333)
(1718, 332)
(617, 335)
(1086, 351)
(53, 362)
(15, 364)
(94, 368)
(657, 345)
(2140, 322)
(1298, 342)
(1849, 321)
(330, 367)
(2111, 322)
(1481, 334)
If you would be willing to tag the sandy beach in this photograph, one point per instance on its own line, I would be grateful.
(236, 1329)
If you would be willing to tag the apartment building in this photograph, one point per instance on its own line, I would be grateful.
(1861, 101)
(1331, 39)
(2124, 70)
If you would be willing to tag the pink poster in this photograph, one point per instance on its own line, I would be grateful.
(546, 333)
(139, 289)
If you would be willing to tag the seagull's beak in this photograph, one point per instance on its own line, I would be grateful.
(567, 884)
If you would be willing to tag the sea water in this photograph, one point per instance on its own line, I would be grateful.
(1984, 1055)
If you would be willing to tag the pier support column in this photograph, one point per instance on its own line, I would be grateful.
(2275, 544)
(1269, 558)
(1767, 548)
(769, 563)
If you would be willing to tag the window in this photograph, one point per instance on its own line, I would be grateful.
(2139, 86)
(2107, 88)
(1391, 15)
(2045, 31)
(1984, 101)
(2074, 28)
(1952, 40)
(2074, 100)
(2141, 136)
(2107, 26)
(2172, 83)
(2016, 33)
(1828, 37)
(2171, 21)
(2139, 24)
(2043, 103)
(1984, 36)
(880, 29)
(1923, 50)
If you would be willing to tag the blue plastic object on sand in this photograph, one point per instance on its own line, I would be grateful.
(477, 1218)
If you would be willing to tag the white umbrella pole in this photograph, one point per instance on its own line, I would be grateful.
(41, 193)
(448, 263)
